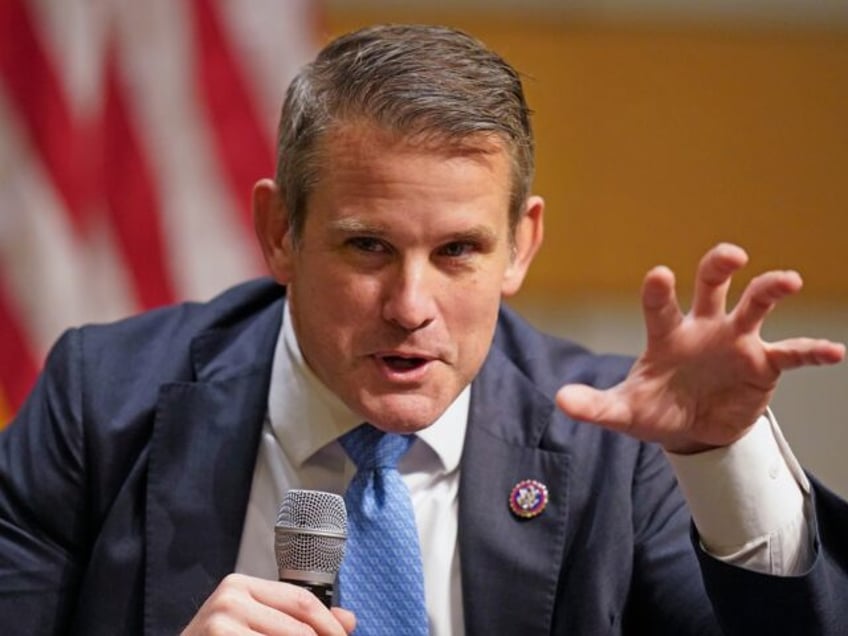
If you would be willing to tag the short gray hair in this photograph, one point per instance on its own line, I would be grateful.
(433, 83)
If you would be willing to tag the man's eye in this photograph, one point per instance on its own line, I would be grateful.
(367, 244)
(457, 249)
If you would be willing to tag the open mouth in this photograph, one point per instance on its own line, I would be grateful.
(399, 363)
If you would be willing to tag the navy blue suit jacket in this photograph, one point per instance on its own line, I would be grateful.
(125, 477)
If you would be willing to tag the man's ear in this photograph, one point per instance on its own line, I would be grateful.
(527, 240)
(271, 223)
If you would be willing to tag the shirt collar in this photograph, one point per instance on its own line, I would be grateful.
(306, 416)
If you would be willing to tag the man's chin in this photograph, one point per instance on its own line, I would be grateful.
(402, 414)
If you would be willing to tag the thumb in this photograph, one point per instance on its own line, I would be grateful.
(582, 402)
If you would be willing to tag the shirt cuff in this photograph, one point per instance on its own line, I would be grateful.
(748, 500)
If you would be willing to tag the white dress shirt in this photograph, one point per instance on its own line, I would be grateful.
(745, 499)
(299, 449)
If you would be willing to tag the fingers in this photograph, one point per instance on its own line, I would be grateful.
(659, 303)
(760, 297)
(712, 279)
(799, 352)
(345, 617)
(243, 604)
(295, 603)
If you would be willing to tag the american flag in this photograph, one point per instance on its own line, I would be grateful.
(131, 133)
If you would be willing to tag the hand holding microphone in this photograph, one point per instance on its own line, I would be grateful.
(309, 542)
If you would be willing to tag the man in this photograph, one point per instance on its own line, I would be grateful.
(148, 463)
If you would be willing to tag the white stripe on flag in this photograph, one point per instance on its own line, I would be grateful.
(64, 266)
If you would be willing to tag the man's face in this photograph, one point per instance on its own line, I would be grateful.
(395, 284)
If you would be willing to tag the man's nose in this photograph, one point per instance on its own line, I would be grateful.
(409, 295)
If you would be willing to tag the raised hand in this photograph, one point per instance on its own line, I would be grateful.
(705, 377)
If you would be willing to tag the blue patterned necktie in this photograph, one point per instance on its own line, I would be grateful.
(381, 579)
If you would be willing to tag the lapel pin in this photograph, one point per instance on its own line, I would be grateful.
(528, 498)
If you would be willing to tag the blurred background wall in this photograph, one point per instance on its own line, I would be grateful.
(665, 127)
(662, 127)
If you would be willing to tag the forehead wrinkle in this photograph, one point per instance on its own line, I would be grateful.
(353, 142)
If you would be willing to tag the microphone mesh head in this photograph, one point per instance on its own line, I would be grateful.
(310, 533)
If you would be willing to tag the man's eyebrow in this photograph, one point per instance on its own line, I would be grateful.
(476, 234)
(351, 225)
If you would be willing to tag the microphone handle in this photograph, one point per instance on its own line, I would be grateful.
(324, 591)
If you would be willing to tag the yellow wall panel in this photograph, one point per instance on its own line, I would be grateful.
(656, 141)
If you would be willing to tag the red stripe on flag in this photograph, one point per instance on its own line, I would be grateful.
(244, 149)
(18, 366)
(37, 94)
(131, 197)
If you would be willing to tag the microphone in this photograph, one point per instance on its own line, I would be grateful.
(309, 540)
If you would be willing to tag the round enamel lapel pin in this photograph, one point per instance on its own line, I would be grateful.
(528, 498)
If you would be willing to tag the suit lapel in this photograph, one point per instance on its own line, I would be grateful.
(510, 566)
(201, 461)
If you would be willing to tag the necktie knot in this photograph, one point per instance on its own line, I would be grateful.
(370, 448)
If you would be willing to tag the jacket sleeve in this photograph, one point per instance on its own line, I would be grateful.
(678, 588)
(42, 499)
(815, 602)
